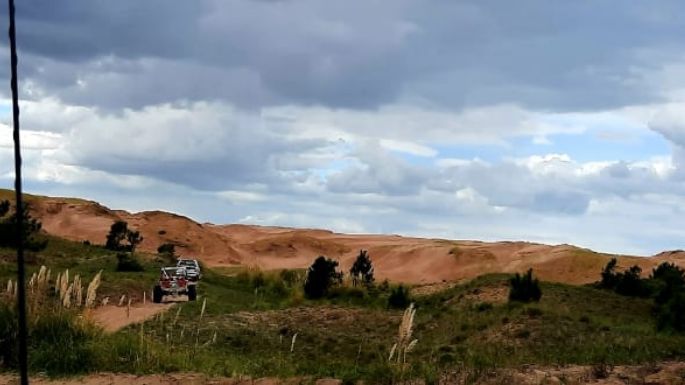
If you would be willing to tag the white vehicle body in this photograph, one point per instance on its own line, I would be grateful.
(192, 268)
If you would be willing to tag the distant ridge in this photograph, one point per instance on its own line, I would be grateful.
(411, 260)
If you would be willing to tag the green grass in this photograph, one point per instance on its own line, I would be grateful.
(570, 325)
(254, 316)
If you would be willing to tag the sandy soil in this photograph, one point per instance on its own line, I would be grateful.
(164, 379)
(113, 318)
(668, 373)
(411, 260)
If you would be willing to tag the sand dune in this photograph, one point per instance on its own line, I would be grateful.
(411, 260)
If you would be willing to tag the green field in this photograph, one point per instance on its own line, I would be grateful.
(251, 317)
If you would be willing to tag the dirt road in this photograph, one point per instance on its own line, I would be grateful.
(113, 318)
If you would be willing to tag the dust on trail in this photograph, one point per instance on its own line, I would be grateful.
(113, 318)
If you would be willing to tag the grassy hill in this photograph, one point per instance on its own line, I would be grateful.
(258, 324)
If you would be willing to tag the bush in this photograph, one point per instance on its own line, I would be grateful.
(167, 253)
(609, 275)
(666, 281)
(167, 248)
(8, 228)
(627, 283)
(128, 262)
(321, 275)
(399, 297)
(362, 269)
(120, 231)
(630, 284)
(671, 314)
(524, 288)
(117, 233)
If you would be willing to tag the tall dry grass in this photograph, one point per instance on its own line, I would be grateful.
(67, 294)
(91, 293)
(61, 340)
(405, 343)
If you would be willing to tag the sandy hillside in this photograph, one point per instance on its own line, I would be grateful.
(412, 260)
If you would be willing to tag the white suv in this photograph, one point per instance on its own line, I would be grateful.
(192, 269)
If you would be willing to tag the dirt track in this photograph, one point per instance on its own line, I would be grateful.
(161, 379)
(667, 373)
(113, 318)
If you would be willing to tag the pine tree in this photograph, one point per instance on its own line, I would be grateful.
(362, 269)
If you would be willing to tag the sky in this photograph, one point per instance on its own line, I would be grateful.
(546, 121)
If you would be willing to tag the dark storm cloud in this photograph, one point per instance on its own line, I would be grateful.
(361, 54)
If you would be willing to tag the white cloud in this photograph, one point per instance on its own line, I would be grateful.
(408, 147)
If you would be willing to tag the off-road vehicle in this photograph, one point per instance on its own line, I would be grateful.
(174, 281)
(192, 268)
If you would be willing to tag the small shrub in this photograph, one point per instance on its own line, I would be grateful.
(362, 269)
(626, 283)
(134, 239)
(399, 297)
(167, 253)
(524, 288)
(671, 314)
(128, 262)
(630, 284)
(168, 248)
(609, 275)
(321, 275)
(118, 232)
(666, 281)
(8, 228)
(456, 252)
(483, 306)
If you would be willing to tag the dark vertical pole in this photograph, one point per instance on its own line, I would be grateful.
(21, 280)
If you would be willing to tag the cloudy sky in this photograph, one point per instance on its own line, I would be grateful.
(548, 121)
